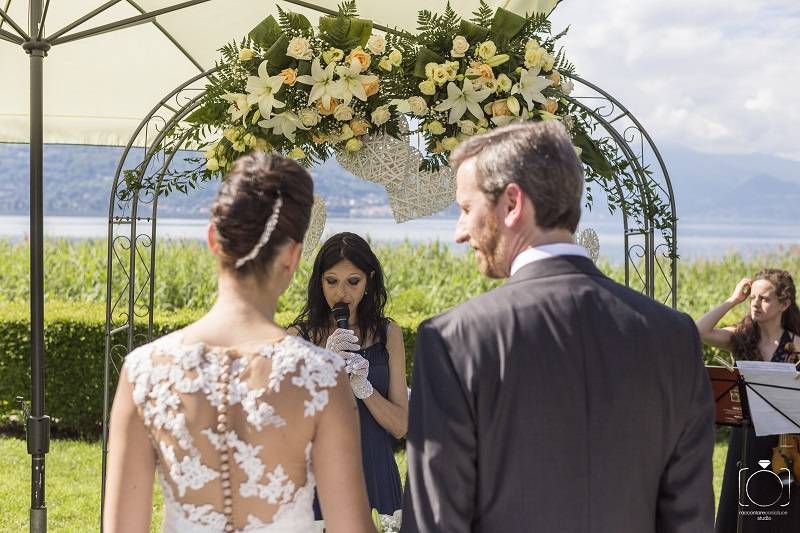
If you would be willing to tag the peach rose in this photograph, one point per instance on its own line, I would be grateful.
(555, 77)
(371, 86)
(361, 56)
(499, 108)
(289, 76)
(326, 109)
(359, 126)
(551, 106)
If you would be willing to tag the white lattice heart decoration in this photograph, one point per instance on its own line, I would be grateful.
(316, 226)
(588, 239)
(421, 194)
(382, 158)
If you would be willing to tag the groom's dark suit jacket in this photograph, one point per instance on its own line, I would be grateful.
(560, 402)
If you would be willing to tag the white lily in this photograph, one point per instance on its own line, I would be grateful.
(239, 107)
(261, 89)
(284, 124)
(351, 81)
(322, 84)
(460, 100)
(531, 85)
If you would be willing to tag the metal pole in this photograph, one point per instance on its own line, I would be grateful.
(37, 424)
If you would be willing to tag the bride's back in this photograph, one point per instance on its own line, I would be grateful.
(233, 430)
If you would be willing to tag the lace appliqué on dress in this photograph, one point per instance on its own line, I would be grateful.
(166, 373)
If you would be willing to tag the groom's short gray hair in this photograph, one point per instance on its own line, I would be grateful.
(537, 156)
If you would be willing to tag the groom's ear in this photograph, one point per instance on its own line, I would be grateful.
(512, 203)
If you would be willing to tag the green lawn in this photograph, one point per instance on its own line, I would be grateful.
(73, 485)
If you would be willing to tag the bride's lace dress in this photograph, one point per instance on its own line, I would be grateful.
(233, 432)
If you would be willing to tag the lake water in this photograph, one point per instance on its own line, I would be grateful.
(696, 238)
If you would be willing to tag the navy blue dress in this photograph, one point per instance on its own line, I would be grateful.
(762, 488)
(380, 469)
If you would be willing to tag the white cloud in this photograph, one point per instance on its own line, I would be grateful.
(716, 75)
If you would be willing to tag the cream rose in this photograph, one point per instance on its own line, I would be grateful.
(450, 143)
(429, 68)
(353, 145)
(418, 105)
(299, 48)
(376, 44)
(436, 127)
(297, 153)
(332, 55)
(555, 77)
(534, 57)
(460, 46)
(567, 87)
(385, 64)
(212, 164)
(531, 45)
(343, 113)
(548, 62)
(381, 115)
(467, 127)
(487, 49)
(309, 117)
(396, 57)
(504, 83)
(427, 87)
(346, 133)
(440, 75)
(245, 54)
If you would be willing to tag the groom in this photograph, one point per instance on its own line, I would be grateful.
(561, 401)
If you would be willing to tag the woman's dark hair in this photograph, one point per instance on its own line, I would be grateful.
(744, 341)
(315, 318)
(245, 202)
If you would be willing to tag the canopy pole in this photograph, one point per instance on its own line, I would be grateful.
(37, 426)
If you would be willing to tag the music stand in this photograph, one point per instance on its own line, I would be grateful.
(728, 383)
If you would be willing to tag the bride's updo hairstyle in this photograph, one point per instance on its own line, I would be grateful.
(258, 187)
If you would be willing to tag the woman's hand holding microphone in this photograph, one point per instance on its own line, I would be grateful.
(344, 342)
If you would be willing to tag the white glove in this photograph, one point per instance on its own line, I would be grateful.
(358, 368)
(342, 341)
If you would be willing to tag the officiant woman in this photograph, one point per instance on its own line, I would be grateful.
(346, 270)
(769, 332)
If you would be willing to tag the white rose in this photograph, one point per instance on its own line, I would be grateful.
(212, 164)
(549, 62)
(353, 145)
(309, 117)
(450, 143)
(381, 115)
(567, 87)
(531, 45)
(343, 113)
(376, 44)
(460, 46)
(299, 48)
(385, 64)
(246, 54)
(418, 105)
(429, 67)
(347, 133)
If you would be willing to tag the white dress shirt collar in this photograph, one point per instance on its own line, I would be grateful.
(536, 253)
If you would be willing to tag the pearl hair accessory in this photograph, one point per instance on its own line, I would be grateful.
(272, 221)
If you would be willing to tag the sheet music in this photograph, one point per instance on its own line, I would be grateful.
(767, 420)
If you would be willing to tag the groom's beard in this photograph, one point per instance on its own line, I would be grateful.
(490, 250)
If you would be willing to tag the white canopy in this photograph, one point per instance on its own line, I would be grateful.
(98, 89)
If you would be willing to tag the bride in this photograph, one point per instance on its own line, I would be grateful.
(241, 420)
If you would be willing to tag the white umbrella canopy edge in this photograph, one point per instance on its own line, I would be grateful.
(98, 89)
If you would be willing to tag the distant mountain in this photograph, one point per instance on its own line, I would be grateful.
(78, 181)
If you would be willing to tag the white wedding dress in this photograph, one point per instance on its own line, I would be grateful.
(232, 432)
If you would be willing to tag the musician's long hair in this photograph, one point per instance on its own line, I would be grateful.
(745, 339)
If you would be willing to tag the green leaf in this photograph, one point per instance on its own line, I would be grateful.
(425, 56)
(591, 155)
(276, 55)
(345, 33)
(473, 32)
(210, 113)
(266, 33)
(298, 21)
(507, 24)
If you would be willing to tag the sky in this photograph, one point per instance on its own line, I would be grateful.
(713, 75)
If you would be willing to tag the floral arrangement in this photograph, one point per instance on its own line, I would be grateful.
(473, 75)
(387, 523)
(306, 92)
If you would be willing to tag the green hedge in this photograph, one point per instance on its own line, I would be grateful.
(74, 347)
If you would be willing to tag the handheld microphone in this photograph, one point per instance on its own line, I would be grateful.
(341, 313)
